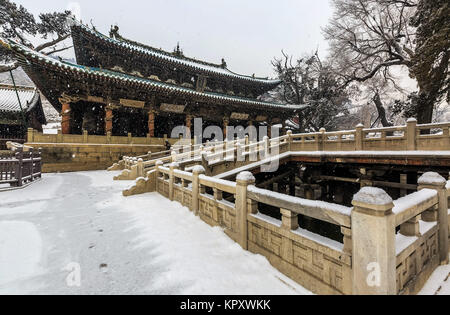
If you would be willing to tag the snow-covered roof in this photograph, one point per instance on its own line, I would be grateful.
(9, 102)
(31, 55)
(167, 57)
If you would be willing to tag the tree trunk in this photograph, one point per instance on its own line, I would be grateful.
(425, 109)
(381, 111)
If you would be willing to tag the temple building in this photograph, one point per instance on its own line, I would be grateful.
(119, 86)
(16, 116)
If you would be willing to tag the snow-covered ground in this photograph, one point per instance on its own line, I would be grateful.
(75, 234)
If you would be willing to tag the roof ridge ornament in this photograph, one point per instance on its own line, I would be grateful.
(114, 31)
(178, 52)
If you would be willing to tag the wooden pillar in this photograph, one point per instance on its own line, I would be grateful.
(269, 128)
(108, 120)
(151, 123)
(66, 121)
(226, 122)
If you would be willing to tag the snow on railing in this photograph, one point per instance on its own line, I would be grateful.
(320, 210)
(21, 166)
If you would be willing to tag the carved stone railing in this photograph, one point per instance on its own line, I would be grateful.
(320, 264)
(402, 138)
(403, 260)
(386, 262)
(218, 155)
(316, 262)
(389, 247)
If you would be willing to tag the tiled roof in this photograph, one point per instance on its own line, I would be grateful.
(32, 55)
(167, 57)
(9, 102)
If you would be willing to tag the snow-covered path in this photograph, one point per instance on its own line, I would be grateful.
(78, 224)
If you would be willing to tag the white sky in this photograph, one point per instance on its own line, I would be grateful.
(247, 33)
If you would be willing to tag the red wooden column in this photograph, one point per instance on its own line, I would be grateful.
(151, 123)
(66, 118)
(108, 119)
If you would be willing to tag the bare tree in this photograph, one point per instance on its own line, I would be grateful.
(369, 37)
(310, 81)
(19, 24)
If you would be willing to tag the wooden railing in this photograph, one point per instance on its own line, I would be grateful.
(20, 167)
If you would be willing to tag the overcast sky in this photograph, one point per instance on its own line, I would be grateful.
(247, 33)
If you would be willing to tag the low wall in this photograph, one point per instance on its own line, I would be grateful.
(74, 157)
(73, 153)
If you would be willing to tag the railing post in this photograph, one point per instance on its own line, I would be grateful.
(19, 166)
(60, 137)
(321, 144)
(196, 172)
(30, 135)
(157, 165)
(373, 238)
(411, 125)
(130, 138)
(347, 232)
(359, 137)
(173, 166)
(31, 164)
(435, 181)
(108, 137)
(266, 147)
(289, 139)
(243, 180)
(85, 136)
(140, 168)
(289, 220)
(411, 227)
(173, 155)
(40, 162)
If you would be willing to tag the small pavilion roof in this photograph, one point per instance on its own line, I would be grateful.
(29, 97)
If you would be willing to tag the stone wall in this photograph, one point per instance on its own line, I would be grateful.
(73, 153)
(74, 157)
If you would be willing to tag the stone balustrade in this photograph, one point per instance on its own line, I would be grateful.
(389, 247)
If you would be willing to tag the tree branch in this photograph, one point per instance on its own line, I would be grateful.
(52, 43)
